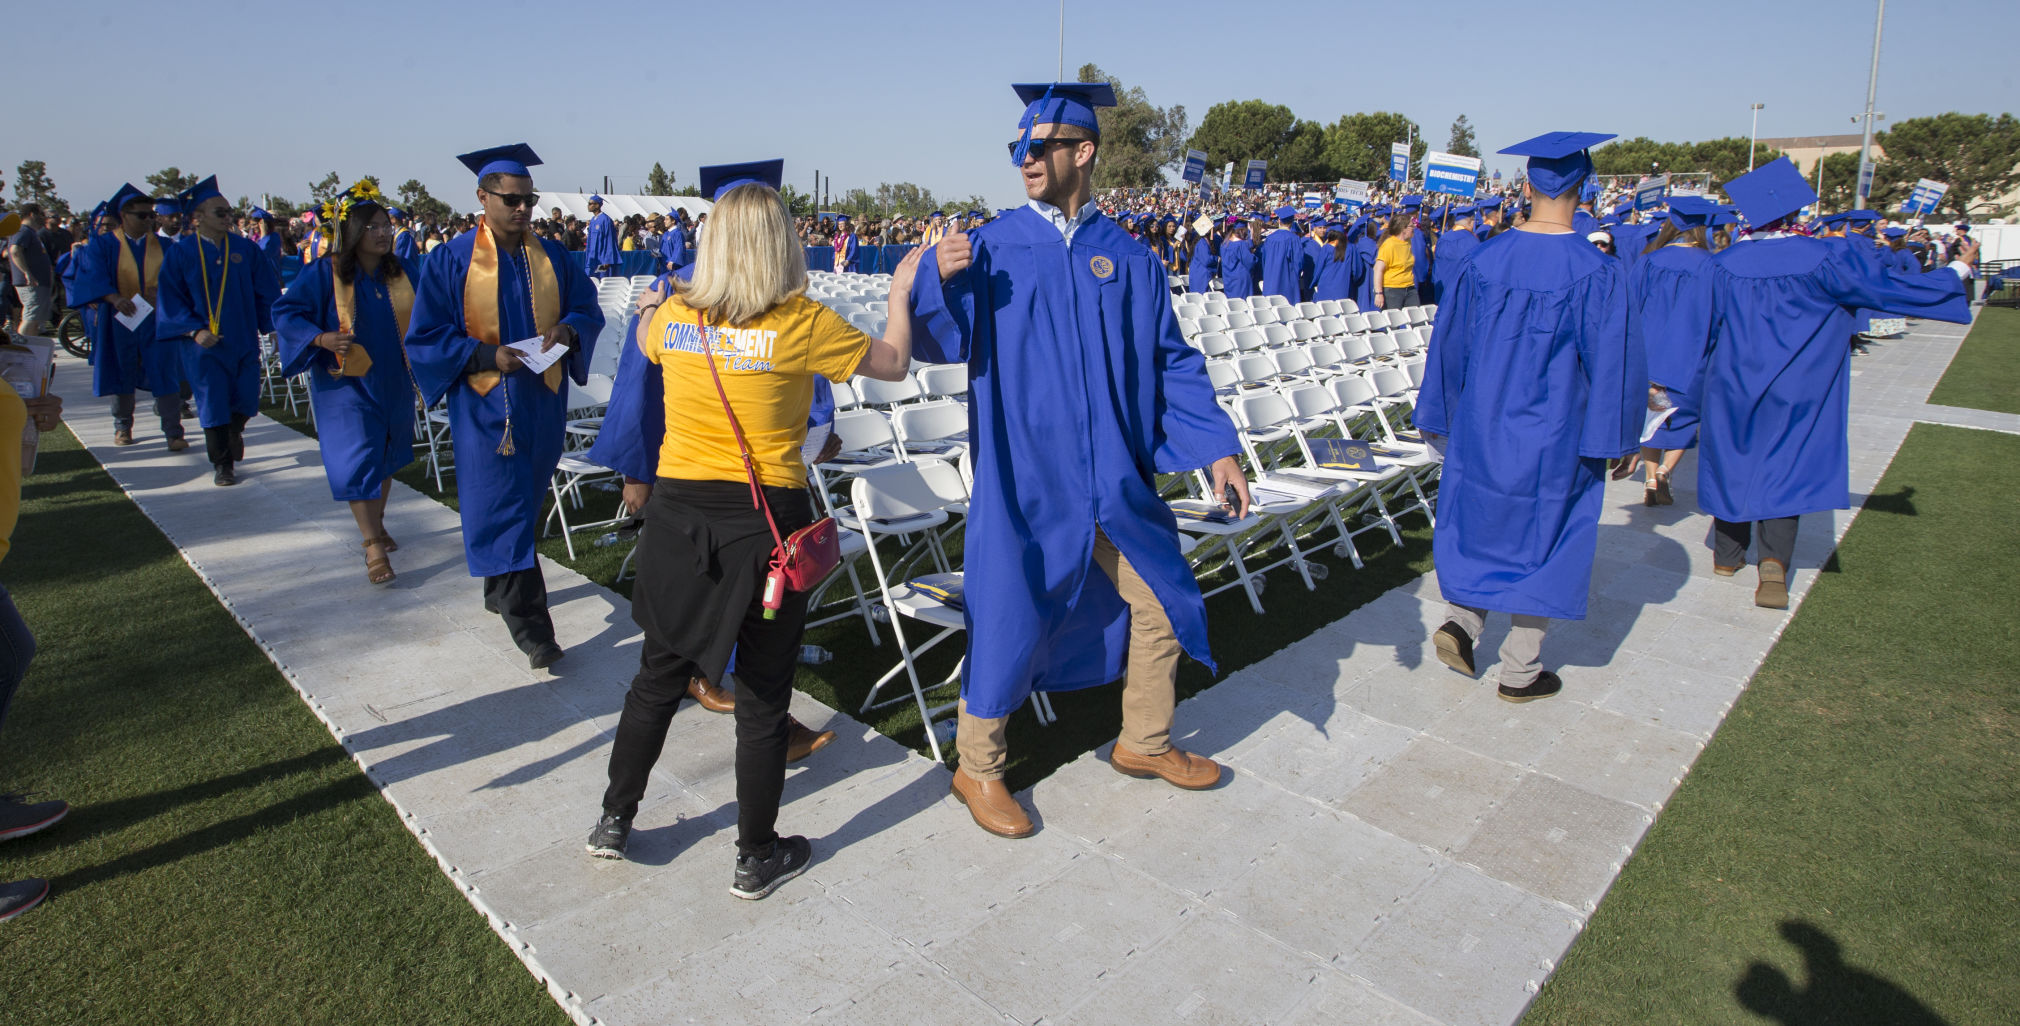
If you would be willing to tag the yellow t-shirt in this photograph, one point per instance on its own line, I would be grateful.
(768, 369)
(1402, 270)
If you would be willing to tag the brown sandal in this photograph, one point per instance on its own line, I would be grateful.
(386, 542)
(378, 571)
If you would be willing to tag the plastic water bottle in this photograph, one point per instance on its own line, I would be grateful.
(606, 540)
(814, 655)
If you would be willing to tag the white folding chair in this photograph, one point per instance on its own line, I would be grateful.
(897, 501)
(935, 430)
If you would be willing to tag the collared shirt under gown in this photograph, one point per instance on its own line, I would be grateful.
(122, 360)
(499, 496)
(1530, 376)
(1777, 379)
(364, 425)
(1081, 390)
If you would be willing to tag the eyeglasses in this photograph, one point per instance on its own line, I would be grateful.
(1039, 146)
(515, 200)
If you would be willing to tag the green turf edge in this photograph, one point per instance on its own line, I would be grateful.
(225, 860)
(1985, 373)
(1846, 849)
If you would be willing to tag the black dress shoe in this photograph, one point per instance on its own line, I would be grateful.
(222, 475)
(1455, 649)
(1545, 685)
(544, 655)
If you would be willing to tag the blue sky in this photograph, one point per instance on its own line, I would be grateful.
(270, 96)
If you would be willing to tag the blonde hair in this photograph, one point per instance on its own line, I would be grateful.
(750, 259)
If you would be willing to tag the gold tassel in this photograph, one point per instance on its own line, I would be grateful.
(505, 446)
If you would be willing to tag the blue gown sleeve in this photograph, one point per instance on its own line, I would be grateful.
(1445, 361)
(1192, 430)
(303, 312)
(176, 314)
(1616, 373)
(437, 348)
(1681, 335)
(578, 297)
(266, 290)
(97, 272)
(1853, 277)
(634, 423)
(943, 313)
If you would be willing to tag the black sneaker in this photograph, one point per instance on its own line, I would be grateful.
(607, 841)
(544, 656)
(20, 896)
(20, 817)
(1545, 685)
(1455, 649)
(222, 475)
(757, 877)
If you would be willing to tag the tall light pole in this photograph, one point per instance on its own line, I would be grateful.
(1062, 42)
(1753, 139)
(1865, 183)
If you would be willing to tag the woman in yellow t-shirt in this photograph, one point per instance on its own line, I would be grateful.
(705, 548)
(19, 818)
(1395, 271)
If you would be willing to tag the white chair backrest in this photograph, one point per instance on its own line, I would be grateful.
(884, 393)
(1310, 311)
(1214, 343)
(1187, 326)
(1326, 354)
(1382, 345)
(845, 395)
(1275, 300)
(1391, 382)
(1407, 338)
(944, 379)
(1215, 307)
(1212, 322)
(1278, 335)
(1332, 326)
(1305, 331)
(593, 392)
(1241, 319)
(1255, 367)
(1357, 323)
(863, 429)
(1417, 315)
(1356, 348)
(1352, 390)
(925, 422)
(1312, 400)
(1330, 308)
(1291, 361)
(1222, 374)
(1269, 315)
(1261, 410)
(1414, 369)
(1247, 339)
(907, 490)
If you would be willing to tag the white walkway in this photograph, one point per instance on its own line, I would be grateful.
(1395, 844)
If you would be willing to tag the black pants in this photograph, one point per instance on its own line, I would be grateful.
(521, 598)
(671, 589)
(1777, 539)
(166, 407)
(226, 444)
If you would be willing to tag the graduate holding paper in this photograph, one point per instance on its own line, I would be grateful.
(342, 323)
(1081, 389)
(1532, 384)
(217, 296)
(1777, 379)
(118, 271)
(480, 291)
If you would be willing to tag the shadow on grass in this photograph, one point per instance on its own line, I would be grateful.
(1900, 502)
(1832, 992)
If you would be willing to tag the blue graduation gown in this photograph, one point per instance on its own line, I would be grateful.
(1426, 266)
(499, 496)
(845, 253)
(1334, 276)
(1530, 376)
(1081, 388)
(1364, 251)
(1237, 269)
(1669, 321)
(600, 242)
(1863, 317)
(270, 244)
(1453, 249)
(1205, 266)
(1583, 224)
(364, 425)
(1316, 252)
(225, 377)
(1281, 259)
(1777, 380)
(406, 247)
(121, 360)
(673, 250)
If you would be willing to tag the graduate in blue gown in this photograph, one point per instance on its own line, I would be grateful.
(1422, 253)
(674, 253)
(270, 241)
(1237, 264)
(1367, 242)
(600, 241)
(1081, 391)
(406, 247)
(1532, 386)
(217, 293)
(347, 337)
(506, 422)
(846, 247)
(112, 270)
(1669, 322)
(1777, 379)
(1282, 257)
(1630, 238)
(1334, 276)
(1205, 263)
(1584, 222)
(1455, 244)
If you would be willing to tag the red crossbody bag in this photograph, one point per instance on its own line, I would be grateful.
(800, 560)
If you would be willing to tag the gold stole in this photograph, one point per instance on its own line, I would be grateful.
(312, 247)
(399, 290)
(130, 281)
(480, 302)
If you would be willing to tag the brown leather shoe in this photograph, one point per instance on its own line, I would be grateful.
(992, 806)
(712, 698)
(1773, 590)
(122, 436)
(178, 444)
(802, 740)
(1178, 768)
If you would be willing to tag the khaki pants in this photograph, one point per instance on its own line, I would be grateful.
(1149, 685)
(1521, 650)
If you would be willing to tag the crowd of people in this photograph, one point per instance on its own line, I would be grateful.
(1553, 359)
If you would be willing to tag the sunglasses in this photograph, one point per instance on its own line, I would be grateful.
(1039, 146)
(515, 200)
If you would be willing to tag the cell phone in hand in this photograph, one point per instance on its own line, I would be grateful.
(1233, 497)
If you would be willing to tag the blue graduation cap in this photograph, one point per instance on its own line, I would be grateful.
(1558, 160)
(167, 206)
(98, 212)
(1770, 192)
(1287, 213)
(1893, 231)
(1691, 212)
(1859, 220)
(717, 179)
(594, 198)
(842, 219)
(258, 214)
(510, 159)
(1490, 203)
(1724, 217)
(1413, 202)
(937, 213)
(395, 212)
(199, 192)
(1058, 103)
(126, 194)
(1609, 221)
(976, 215)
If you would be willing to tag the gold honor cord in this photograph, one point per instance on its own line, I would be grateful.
(214, 311)
(131, 282)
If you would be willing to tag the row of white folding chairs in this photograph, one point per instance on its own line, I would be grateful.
(1355, 322)
(1320, 362)
(1275, 336)
(1194, 304)
(926, 382)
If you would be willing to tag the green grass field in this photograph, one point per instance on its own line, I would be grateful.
(225, 861)
(1985, 375)
(1847, 849)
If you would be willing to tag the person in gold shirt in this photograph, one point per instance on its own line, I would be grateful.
(1395, 271)
(19, 818)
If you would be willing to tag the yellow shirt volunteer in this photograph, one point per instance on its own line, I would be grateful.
(767, 368)
(1402, 270)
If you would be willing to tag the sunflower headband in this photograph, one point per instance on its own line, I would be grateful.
(339, 207)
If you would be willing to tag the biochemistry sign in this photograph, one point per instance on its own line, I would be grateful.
(1451, 174)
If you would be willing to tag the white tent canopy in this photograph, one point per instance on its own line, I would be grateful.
(576, 204)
